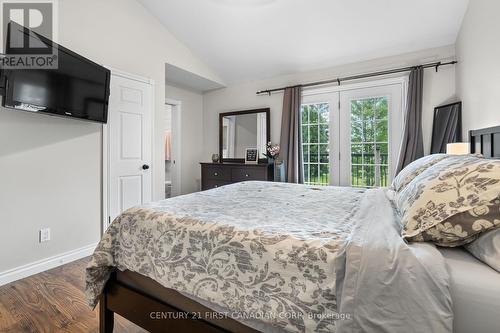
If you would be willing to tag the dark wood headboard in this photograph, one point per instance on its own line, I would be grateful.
(485, 141)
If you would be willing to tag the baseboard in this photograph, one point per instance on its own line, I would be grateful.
(43, 265)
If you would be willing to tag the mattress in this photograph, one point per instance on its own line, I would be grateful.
(230, 246)
(293, 257)
(475, 291)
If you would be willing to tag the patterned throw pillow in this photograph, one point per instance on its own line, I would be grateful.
(452, 202)
(463, 228)
(414, 169)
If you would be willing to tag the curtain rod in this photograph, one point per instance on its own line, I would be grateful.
(435, 65)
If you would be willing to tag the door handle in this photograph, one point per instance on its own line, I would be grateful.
(145, 167)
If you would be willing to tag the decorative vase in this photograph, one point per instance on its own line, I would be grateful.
(215, 158)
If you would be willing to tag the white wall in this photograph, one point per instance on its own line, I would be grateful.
(50, 169)
(478, 71)
(439, 88)
(191, 135)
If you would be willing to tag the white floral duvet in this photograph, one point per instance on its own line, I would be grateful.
(288, 254)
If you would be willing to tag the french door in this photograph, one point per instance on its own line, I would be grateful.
(351, 137)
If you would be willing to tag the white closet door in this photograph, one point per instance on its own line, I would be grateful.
(129, 144)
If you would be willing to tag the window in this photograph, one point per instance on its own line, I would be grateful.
(351, 134)
(316, 143)
(369, 142)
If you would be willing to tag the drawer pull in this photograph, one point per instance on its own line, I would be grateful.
(216, 174)
(215, 186)
(246, 175)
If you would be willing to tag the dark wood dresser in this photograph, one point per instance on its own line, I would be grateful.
(214, 175)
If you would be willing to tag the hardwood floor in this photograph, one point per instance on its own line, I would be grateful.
(52, 302)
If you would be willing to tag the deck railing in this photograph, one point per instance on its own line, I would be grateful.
(375, 166)
(376, 172)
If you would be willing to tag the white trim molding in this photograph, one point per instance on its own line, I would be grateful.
(177, 110)
(43, 265)
(130, 76)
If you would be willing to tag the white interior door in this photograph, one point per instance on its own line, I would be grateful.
(129, 144)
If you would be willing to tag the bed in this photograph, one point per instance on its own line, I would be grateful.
(304, 258)
(475, 291)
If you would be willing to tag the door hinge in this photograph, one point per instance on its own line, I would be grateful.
(109, 221)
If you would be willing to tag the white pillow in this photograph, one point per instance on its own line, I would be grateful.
(487, 248)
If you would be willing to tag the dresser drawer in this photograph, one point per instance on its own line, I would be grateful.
(248, 173)
(214, 172)
(211, 183)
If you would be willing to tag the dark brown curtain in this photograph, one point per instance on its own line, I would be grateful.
(290, 141)
(412, 146)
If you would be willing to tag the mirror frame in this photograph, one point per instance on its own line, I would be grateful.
(267, 111)
(458, 133)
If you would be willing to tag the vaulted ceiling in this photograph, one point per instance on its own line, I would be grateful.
(245, 40)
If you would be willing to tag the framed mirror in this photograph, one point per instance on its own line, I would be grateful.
(447, 126)
(240, 130)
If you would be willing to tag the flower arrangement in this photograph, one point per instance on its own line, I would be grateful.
(272, 151)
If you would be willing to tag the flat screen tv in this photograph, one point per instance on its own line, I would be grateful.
(78, 88)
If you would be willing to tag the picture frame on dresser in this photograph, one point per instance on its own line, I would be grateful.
(251, 156)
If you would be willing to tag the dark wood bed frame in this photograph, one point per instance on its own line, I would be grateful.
(485, 141)
(137, 306)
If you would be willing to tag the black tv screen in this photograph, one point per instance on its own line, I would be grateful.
(78, 88)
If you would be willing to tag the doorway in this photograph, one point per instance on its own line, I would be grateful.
(172, 142)
(351, 134)
(127, 145)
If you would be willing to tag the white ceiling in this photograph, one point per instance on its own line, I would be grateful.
(245, 40)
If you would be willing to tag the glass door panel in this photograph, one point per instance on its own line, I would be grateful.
(373, 119)
(318, 126)
(369, 142)
(315, 143)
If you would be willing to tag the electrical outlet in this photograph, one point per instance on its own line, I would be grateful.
(44, 235)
